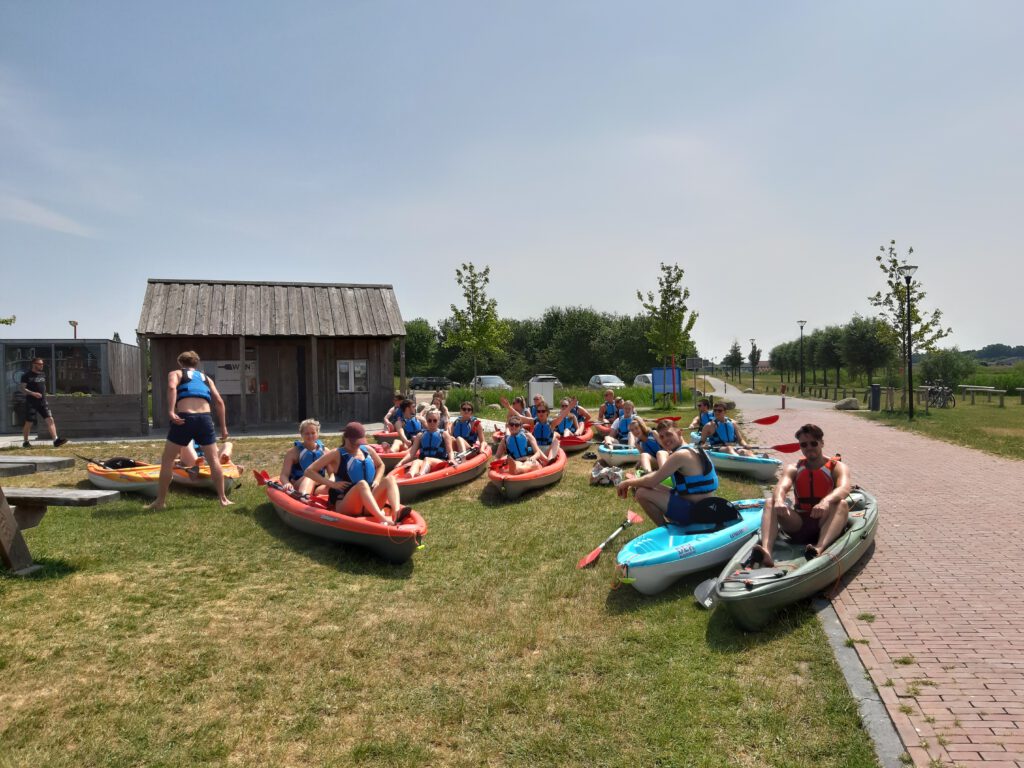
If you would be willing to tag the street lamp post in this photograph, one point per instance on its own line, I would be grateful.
(801, 323)
(908, 270)
(74, 325)
(753, 367)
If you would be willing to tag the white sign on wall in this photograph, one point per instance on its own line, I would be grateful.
(225, 374)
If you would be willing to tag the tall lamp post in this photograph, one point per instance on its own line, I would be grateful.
(908, 270)
(74, 325)
(801, 323)
(753, 367)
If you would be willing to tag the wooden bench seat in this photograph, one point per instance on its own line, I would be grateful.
(973, 389)
(29, 506)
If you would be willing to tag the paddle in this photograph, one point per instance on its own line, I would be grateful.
(781, 448)
(458, 458)
(97, 462)
(765, 420)
(704, 594)
(632, 518)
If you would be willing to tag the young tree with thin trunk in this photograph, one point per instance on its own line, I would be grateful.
(670, 321)
(476, 327)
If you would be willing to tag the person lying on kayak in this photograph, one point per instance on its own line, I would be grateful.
(394, 413)
(467, 430)
(822, 508)
(518, 447)
(703, 416)
(647, 440)
(545, 435)
(722, 434)
(566, 424)
(407, 427)
(609, 411)
(430, 448)
(693, 478)
(306, 450)
(620, 435)
(359, 485)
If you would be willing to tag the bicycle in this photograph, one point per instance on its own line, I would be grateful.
(940, 396)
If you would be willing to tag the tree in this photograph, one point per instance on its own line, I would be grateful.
(734, 359)
(476, 328)
(867, 345)
(830, 351)
(925, 329)
(670, 322)
(420, 346)
(950, 366)
(8, 320)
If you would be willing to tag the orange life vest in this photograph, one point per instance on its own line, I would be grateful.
(812, 485)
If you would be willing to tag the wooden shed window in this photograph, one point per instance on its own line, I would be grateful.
(352, 376)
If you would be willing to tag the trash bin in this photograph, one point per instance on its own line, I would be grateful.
(876, 397)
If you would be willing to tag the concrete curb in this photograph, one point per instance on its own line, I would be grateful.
(888, 745)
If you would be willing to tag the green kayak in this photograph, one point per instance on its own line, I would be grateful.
(753, 595)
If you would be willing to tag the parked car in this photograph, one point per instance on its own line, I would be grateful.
(642, 380)
(490, 382)
(605, 381)
(432, 382)
(546, 378)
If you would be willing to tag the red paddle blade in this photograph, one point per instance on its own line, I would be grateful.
(766, 420)
(591, 558)
(633, 517)
(787, 448)
(260, 479)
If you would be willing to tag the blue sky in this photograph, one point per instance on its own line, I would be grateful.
(768, 148)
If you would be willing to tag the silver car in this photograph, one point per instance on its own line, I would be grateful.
(605, 381)
(490, 382)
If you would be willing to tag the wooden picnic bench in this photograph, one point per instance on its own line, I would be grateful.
(1020, 391)
(972, 390)
(23, 508)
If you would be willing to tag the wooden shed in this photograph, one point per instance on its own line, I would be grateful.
(279, 352)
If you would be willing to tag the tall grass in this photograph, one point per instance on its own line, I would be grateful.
(1000, 378)
(589, 398)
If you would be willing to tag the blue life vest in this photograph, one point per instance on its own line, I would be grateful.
(432, 445)
(411, 426)
(565, 424)
(306, 459)
(517, 446)
(623, 434)
(650, 445)
(197, 448)
(610, 412)
(465, 429)
(705, 417)
(393, 416)
(575, 410)
(725, 432)
(533, 411)
(352, 469)
(706, 482)
(193, 384)
(542, 433)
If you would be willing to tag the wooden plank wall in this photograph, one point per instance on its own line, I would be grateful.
(94, 416)
(340, 408)
(123, 367)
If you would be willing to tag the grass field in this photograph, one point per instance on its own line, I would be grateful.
(201, 636)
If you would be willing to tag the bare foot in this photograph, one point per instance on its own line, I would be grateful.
(226, 502)
(154, 507)
(762, 556)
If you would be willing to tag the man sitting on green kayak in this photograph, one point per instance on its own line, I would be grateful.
(821, 488)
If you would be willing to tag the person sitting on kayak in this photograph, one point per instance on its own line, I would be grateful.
(430, 448)
(582, 414)
(437, 401)
(300, 457)
(693, 478)
(517, 408)
(467, 430)
(407, 427)
(518, 447)
(822, 508)
(609, 411)
(393, 414)
(545, 435)
(537, 400)
(567, 424)
(359, 485)
(722, 434)
(619, 435)
(703, 416)
(647, 440)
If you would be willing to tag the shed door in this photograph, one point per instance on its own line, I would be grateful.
(282, 394)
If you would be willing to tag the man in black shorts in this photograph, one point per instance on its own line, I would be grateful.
(33, 387)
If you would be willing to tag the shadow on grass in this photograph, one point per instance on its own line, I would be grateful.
(52, 568)
(491, 495)
(346, 558)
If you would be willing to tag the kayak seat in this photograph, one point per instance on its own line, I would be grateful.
(121, 462)
(716, 512)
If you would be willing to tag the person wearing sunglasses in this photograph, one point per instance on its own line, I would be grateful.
(704, 415)
(722, 434)
(821, 508)
(609, 410)
(620, 435)
(519, 448)
(467, 430)
(430, 448)
(543, 433)
(407, 426)
(692, 475)
(437, 401)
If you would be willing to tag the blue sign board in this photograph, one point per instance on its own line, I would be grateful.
(662, 382)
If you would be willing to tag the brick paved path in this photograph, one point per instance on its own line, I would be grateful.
(945, 584)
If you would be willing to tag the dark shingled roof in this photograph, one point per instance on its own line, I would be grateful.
(205, 308)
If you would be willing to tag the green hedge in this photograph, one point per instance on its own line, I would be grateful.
(589, 398)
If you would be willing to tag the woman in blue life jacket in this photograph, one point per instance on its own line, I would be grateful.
(517, 408)
(359, 486)
(703, 416)
(544, 434)
(565, 422)
(430, 448)
(518, 448)
(582, 414)
(300, 457)
(438, 402)
(609, 411)
(393, 414)
(619, 435)
(693, 478)
(721, 434)
(649, 444)
(408, 426)
(467, 430)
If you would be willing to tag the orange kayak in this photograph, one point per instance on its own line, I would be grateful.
(199, 476)
(514, 486)
(442, 476)
(143, 478)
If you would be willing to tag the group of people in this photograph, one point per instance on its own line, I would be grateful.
(354, 479)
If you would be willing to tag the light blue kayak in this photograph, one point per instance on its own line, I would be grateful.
(755, 467)
(618, 455)
(652, 561)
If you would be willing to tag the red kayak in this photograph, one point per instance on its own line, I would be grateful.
(513, 486)
(383, 436)
(577, 443)
(443, 475)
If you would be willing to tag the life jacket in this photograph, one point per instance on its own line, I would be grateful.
(623, 428)
(725, 432)
(533, 411)
(306, 459)
(432, 445)
(705, 417)
(518, 446)
(812, 485)
(197, 448)
(412, 426)
(609, 411)
(193, 384)
(575, 410)
(393, 415)
(565, 424)
(543, 433)
(352, 469)
(465, 429)
(706, 482)
(650, 446)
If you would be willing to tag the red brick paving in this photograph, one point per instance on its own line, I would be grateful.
(945, 585)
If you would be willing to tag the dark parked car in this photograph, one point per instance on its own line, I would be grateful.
(432, 382)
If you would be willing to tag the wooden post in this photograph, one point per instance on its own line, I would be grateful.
(314, 378)
(144, 365)
(401, 364)
(243, 380)
(14, 552)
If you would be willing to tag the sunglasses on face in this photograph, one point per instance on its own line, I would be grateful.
(514, 425)
(719, 410)
(432, 421)
(809, 444)
(542, 410)
(467, 410)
